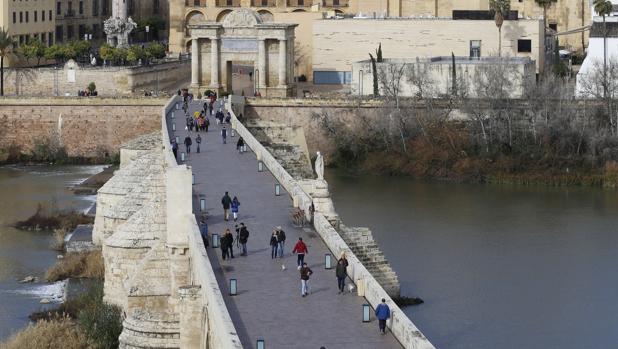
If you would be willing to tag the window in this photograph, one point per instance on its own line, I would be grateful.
(104, 5)
(36, 14)
(156, 7)
(43, 16)
(95, 7)
(81, 7)
(58, 8)
(82, 31)
(95, 31)
(14, 17)
(196, 2)
(475, 48)
(59, 34)
(50, 15)
(50, 39)
(553, 26)
(69, 32)
(21, 17)
(524, 45)
(27, 13)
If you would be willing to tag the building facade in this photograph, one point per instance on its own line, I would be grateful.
(25, 20)
(76, 18)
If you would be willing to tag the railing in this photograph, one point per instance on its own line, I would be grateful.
(228, 3)
(335, 3)
(218, 325)
(263, 3)
(400, 325)
(299, 3)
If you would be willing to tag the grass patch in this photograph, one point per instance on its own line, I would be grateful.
(77, 265)
(48, 219)
(99, 323)
(60, 332)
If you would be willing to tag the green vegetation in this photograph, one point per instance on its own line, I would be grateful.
(70, 50)
(33, 49)
(121, 56)
(50, 218)
(6, 46)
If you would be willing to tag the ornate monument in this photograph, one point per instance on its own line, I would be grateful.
(118, 26)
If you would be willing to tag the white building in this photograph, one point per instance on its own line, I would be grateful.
(588, 83)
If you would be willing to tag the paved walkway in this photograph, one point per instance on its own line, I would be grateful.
(269, 303)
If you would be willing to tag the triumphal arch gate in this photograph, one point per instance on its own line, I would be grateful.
(243, 37)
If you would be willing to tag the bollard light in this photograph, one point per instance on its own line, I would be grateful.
(192, 178)
(177, 106)
(260, 166)
(233, 287)
(244, 148)
(202, 204)
(215, 240)
(173, 127)
(260, 344)
(182, 156)
(173, 114)
(277, 189)
(328, 261)
(177, 139)
(233, 133)
(366, 312)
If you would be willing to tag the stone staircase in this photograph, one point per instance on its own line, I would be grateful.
(361, 242)
(275, 138)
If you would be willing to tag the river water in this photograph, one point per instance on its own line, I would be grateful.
(24, 253)
(497, 266)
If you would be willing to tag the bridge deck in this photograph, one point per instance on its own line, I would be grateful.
(269, 304)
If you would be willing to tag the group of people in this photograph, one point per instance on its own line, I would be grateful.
(227, 241)
(229, 203)
(277, 242)
(199, 122)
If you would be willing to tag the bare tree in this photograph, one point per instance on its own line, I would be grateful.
(602, 83)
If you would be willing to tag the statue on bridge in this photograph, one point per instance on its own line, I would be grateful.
(319, 166)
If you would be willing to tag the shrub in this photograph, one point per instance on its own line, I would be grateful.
(77, 265)
(92, 87)
(59, 332)
(302, 78)
(155, 50)
(100, 322)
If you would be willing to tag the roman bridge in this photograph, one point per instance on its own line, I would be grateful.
(176, 293)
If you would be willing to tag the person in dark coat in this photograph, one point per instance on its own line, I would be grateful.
(175, 148)
(341, 272)
(383, 312)
(235, 205)
(204, 232)
(230, 242)
(224, 135)
(243, 237)
(206, 124)
(274, 245)
(224, 246)
(305, 273)
(226, 201)
(280, 240)
(240, 144)
(198, 140)
(188, 143)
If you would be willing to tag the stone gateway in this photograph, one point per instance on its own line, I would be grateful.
(243, 37)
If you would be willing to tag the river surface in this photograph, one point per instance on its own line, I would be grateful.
(24, 253)
(497, 266)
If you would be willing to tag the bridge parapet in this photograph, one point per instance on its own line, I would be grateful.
(400, 325)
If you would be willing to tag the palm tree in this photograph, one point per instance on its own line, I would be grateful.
(6, 44)
(604, 8)
(501, 10)
(545, 4)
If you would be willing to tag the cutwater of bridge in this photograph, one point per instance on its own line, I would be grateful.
(174, 292)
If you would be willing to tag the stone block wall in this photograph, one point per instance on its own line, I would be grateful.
(110, 81)
(86, 127)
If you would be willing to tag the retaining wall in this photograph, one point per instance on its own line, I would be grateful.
(400, 325)
(86, 127)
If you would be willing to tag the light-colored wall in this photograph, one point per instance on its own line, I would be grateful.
(439, 74)
(110, 81)
(405, 38)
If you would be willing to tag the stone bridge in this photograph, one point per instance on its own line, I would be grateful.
(175, 292)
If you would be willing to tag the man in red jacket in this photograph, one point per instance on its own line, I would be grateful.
(301, 249)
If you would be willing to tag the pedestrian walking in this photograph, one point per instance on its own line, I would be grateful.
(198, 140)
(240, 144)
(341, 272)
(280, 240)
(224, 247)
(301, 249)
(230, 242)
(188, 143)
(206, 124)
(204, 232)
(226, 201)
(305, 273)
(224, 134)
(235, 204)
(175, 148)
(243, 237)
(228, 118)
(274, 245)
(383, 312)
